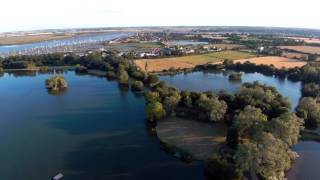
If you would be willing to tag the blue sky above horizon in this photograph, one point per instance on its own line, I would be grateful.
(19, 15)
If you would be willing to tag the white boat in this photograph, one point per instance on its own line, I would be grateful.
(58, 176)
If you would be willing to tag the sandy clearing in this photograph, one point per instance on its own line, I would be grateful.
(278, 62)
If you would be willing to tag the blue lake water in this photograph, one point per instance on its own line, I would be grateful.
(203, 81)
(95, 131)
(307, 165)
(92, 131)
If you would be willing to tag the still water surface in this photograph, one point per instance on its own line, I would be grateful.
(77, 40)
(96, 131)
(92, 131)
(204, 81)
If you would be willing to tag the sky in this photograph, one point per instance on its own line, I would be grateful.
(17, 15)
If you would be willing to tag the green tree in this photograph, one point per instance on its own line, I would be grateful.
(155, 111)
(268, 157)
(56, 83)
(171, 102)
(286, 127)
(311, 90)
(137, 86)
(264, 97)
(153, 80)
(214, 110)
(250, 123)
(309, 110)
(152, 97)
(123, 77)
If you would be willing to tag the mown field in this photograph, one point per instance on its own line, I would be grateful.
(303, 49)
(278, 62)
(199, 139)
(156, 65)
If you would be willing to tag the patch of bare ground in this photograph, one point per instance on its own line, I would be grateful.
(278, 62)
(201, 140)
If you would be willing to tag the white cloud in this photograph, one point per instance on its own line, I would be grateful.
(43, 14)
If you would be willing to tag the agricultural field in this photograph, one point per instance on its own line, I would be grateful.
(292, 55)
(199, 139)
(226, 46)
(156, 65)
(303, 49)
(134, 46)
(278, 62)
(307, 40)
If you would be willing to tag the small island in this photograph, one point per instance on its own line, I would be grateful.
(56, 83)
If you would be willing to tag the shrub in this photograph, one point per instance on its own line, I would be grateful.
(44, 69)
(235, 77)
(137, 86)
(56, 83)
(111, 75)
(81, 69)
(311, 90)
(155, 111)
(123, 77)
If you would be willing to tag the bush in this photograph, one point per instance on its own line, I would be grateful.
(137, 86)
(309, 110)
(44, 69)
(152, 80)
(218, 167)
(111, 75)
(311, 90)
(123, 77)
(56, 83)
(139, 75)
(155, 111)
(235, 77)
(81, 69)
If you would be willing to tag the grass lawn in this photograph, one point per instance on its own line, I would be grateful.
(199, 139)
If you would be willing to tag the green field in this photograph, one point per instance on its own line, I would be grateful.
(231, 55)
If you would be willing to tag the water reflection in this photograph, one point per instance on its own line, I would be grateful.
(60, 92)
(217, 81)
(23, 73)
